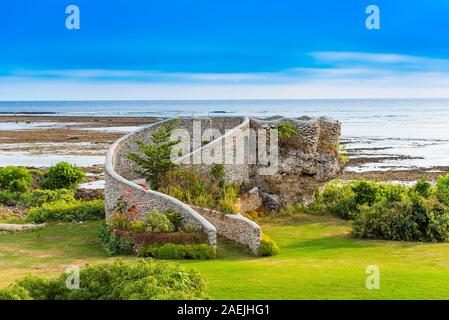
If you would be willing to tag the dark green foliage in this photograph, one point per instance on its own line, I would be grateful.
(365, 192)
(392, 212)
(62, 176)
(114, 245)
(218, 173)
(267, 247)
(141, 280)
(156, 160)
(178, 251)
(423, 187)
(337, 199)
(15, 179)
(67, 211)
(443, 189)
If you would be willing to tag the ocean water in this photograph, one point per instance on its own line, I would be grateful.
(411, 133)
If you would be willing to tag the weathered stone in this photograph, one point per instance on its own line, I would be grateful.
(9, 227)
(271, 201)
(250, 201)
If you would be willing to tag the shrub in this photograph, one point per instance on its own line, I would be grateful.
(35, 197)
(443, 189)
(119, 221)
(67, 211)
(156, 161)
(14, 292)
(337, 199)
(229, 197)
(287, 130)
(158, 222)
(62, 176)
(114, 245)
(365, 192)
(176, 219)
(137, 226)
(179, 251)
(422, 187)
(15, 179)
(141, 280)
(267, 247)
(412, 219)
(218, 173)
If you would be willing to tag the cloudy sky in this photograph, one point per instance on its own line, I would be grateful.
(223, 49)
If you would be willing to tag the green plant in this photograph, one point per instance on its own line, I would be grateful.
(14, 292)
(15, 179)
(228, 200)
(339, 149)
(267, 247)
(62, 176)
(176, 219)
(137, 226)
(141, 280)
(114, 245)
(119, 221)
(178, 251)
(423, 188)
(67, 211)
(443, 188)
(218, 173)
(154, 159)
(287, 130)
(35, 197)
(158, 222)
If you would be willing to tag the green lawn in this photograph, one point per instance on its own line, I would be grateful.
(318, 260)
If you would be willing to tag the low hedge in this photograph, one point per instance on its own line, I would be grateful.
(178, 251)
(267, 247)
(67, 211)
(160, 238)
(141, 280)
(35, 197)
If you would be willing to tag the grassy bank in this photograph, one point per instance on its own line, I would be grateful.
(317, 261)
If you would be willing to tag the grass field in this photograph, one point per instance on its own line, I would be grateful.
(318, 260)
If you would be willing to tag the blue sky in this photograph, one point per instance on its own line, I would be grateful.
(223, 49)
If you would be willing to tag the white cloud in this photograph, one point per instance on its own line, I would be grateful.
(347, 75)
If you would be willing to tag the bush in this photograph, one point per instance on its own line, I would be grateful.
(287, 130)
(62, 176)
(67, 211)
(141, 280)
(423, 188)
(443, 189)
(14, 292)
(337, 199)
(114, 245)
(35, 197)
(15, 179)
(412, 219)
(267, 247)
(179, 251)
(158, 222)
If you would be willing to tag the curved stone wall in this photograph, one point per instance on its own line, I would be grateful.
(120, 171)
(118, 187)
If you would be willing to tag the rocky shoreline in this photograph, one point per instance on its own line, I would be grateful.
(89, 135)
